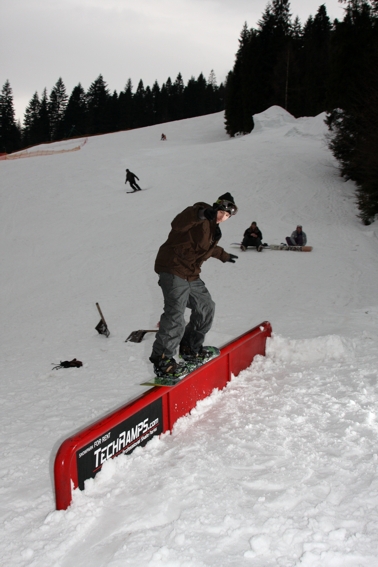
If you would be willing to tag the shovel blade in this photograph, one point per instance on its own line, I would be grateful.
(102, 328)
(137, 336)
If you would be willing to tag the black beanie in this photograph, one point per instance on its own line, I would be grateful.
(227, 197)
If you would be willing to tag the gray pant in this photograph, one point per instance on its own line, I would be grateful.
(179, 294)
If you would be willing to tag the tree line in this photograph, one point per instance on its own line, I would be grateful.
(320, 66)
(58, 116)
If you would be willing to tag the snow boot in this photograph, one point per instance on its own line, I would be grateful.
(187, 354)
(167, 367)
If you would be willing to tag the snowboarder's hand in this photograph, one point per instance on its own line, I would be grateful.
(210, 214)
(233, 258)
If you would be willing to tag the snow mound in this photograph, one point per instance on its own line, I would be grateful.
(317, 350)
(308, 126)
(276, 117)
(273, 117)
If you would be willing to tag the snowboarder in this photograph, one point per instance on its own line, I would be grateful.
(163, 138)
(130, 177)
(297, 238)
(252, 237)
(193, 239)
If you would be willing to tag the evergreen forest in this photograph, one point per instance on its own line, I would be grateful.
(320, 66)
(57, 116)
(306, 69)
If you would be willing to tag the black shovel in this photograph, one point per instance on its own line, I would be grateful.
(137, 336)
(102, 327)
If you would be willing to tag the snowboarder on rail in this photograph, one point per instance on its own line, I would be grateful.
(193, 239)
(297, 238)
(130, 177)
(252, 237)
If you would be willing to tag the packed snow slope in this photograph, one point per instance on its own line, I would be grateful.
(280, 468)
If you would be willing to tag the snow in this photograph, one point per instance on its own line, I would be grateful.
(277, 470)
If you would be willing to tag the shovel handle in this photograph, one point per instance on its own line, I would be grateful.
(101, 315)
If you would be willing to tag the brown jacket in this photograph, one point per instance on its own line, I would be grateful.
(190, 242)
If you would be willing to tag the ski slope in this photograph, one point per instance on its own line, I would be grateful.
(277, 470)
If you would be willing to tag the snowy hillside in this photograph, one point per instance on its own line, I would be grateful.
(280, 469)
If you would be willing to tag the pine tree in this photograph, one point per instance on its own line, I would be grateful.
(315, 62)
(156, 97)
(30, 128)
(212, 94)
(164, 102)
(275, 37)
(10, 134)
(43, 122)
(168, 86)
(139, 118)
(75, 115)
(176, 99)
(239, 89)
(57, 106)
(149, 114)
(114, 114)
(126, 106)
(98, 105)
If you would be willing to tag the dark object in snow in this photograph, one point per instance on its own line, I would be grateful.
(68, 364)
(137, 336)
(102, 327)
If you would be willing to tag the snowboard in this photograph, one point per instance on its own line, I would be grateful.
(136, 191)
(278, 247)
(188, 367)
(286, 247)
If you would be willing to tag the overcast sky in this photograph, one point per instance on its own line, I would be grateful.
(42, 40)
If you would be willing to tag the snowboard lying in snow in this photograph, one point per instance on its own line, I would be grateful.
(278, 247)
(187, 368)
(286, 247)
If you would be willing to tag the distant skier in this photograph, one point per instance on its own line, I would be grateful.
(297, 238)
(130, 177)
(163, 138)
(252, 237)
(193, 239)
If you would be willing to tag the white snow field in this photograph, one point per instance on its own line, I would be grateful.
(277, 470)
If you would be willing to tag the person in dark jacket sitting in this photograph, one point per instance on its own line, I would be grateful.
(193, 240)
(252, 237)
(297, 238)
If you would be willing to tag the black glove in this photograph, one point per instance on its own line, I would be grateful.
(232, 258)
(210, 214)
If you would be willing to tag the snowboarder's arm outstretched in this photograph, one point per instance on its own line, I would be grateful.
(220, 254)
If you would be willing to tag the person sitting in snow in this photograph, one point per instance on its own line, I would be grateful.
(252, 237)
(193, 239)
(297, 238)
(130, 177)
